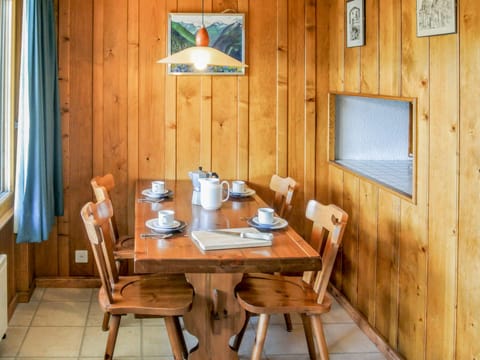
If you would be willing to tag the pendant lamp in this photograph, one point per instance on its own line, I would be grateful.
(201, 55)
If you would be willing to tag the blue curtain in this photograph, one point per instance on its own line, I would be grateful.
(39, 182)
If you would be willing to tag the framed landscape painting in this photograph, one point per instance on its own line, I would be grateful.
(436, 17)
(226, 33)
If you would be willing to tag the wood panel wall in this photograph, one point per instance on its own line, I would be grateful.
(122, 113)
(409, 267)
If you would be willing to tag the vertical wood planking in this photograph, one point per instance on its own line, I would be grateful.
(170, 140)
(64, 88)
(81, 144)
(206, 124)
(132, 109)
(224, 114)
(188, 124)
(322, 113)
(310, 102)
(98, 83)
(243, 98)
(350, 263)
(386, 292)
(443, 235)
(262, 94)
(296, 107)
(151, 130)
(206, 115)
(369, 52)
(115, 70)
(282, 88)
(189, 99)
(414, 222)
(337, 45)
(468, 323)
(224, 126)
(367, 248)
(390, 48)
(352, 69)
(45, 251)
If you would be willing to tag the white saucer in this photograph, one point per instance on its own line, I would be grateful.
(155, 226)
(278, 223)
(153, 195)
(247, 193)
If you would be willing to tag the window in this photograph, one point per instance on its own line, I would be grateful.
(7, 66)
(373, 136)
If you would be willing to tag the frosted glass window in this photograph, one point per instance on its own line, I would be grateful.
(373, 137)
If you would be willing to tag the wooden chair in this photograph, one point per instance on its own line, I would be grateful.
(265, 294)
(169, 296)
(284, 189)
(123, 249)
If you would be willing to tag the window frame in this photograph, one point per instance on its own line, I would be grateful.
(7, 116)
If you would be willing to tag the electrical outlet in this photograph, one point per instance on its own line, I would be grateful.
(81, 256)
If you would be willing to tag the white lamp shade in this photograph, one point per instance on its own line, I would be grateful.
(201, 56)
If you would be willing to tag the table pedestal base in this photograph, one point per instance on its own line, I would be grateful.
(215, 316)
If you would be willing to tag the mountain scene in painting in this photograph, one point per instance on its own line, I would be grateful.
(224, 37)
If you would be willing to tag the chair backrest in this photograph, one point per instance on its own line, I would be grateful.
(97, 221)
(102, 187)
(329, 223)
(284, 189)
(107, 181)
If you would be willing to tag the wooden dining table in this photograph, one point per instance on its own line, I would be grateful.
(215, 316)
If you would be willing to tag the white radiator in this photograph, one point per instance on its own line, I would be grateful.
(3, 296)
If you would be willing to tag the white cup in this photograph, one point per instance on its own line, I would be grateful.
(166, 217)
(158, 187)
(238, 186)
(265, 216)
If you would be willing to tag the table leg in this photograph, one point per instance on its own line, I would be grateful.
(215, 316)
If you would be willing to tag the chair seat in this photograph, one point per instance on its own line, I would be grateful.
(277, 294)
(141, 295)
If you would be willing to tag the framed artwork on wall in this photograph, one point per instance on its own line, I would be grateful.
(355, 23)
(226, 33)
(436, 17)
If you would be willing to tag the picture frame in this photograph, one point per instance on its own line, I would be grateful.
(436, 17)
(226, 32)
(355, 23)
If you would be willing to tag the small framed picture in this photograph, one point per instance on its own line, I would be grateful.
(355, 23)
(436, 17)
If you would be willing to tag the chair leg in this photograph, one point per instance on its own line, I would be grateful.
(106, 320)
(307, 328)
(261, 336)
(112, 336)
(320, 336)
(122, 267)
(288, 322)
(237, 341)
(178, 330)
(175, 341)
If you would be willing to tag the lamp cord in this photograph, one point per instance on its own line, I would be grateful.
(203, 14)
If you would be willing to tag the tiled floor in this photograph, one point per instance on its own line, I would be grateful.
(66, 324)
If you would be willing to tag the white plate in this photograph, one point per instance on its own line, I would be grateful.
(155, 226)
(153, 195)
(278, 223)
(247, 193)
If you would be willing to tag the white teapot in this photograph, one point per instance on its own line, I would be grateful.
(211, 193)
